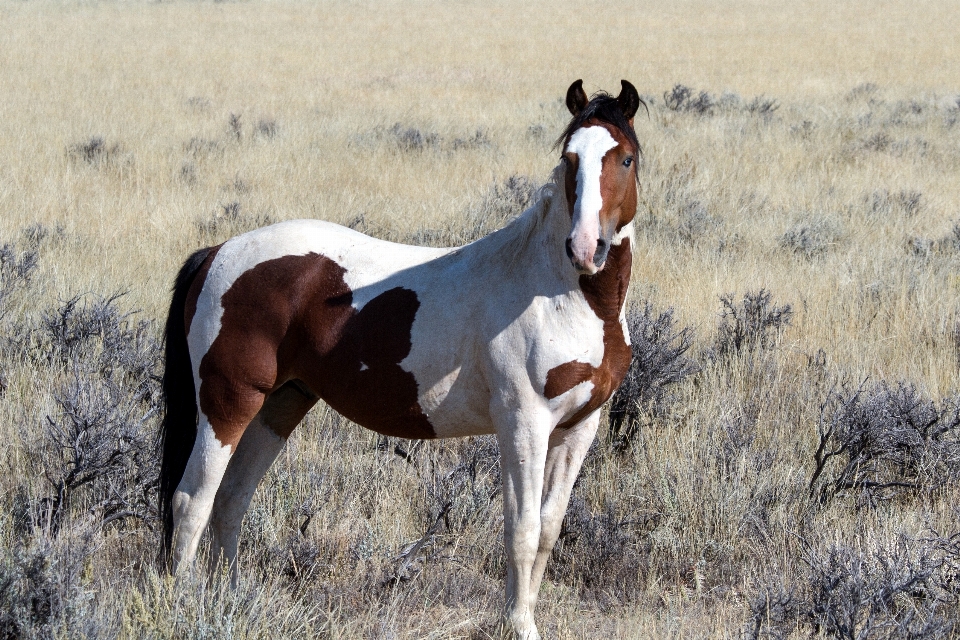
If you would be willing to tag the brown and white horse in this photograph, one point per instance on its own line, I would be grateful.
(520, 334)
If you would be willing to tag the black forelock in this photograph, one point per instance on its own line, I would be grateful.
(605, 108)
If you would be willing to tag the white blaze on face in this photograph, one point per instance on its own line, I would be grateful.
(590, 144)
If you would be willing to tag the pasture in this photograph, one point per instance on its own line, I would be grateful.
(791, 454)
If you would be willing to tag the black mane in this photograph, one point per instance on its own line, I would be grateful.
(605, 108)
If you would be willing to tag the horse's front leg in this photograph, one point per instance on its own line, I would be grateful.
(523, 437)
(567, 449)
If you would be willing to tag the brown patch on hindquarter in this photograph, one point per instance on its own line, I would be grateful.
(292, 318)
(605, 292)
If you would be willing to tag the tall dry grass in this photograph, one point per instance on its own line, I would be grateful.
(816, 156)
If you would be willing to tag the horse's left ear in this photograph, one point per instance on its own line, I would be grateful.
(629, 99)
(576, 98)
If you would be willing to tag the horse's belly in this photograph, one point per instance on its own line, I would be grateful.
(388, 400)
(457, 405)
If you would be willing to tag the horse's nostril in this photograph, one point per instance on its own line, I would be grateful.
(569, 248)
(601, 254)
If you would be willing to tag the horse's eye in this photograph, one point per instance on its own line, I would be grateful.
(628, 162)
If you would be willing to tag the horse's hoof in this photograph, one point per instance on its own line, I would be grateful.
(520, 632)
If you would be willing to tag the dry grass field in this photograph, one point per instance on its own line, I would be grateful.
(789, 461)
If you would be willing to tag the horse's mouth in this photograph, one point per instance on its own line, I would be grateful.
(589, 269)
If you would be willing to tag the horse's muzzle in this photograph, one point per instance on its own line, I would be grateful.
(588, 266)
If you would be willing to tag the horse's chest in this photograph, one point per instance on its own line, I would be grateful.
(576, 388)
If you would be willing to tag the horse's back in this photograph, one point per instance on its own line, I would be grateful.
(367, 259)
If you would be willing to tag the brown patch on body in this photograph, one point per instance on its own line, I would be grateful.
(605, 292)
(292, 319)
(566, 376)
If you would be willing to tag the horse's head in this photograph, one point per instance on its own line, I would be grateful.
(601, 152)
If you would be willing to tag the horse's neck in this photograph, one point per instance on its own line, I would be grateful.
(544, 251)
(605, 290)
(531, 252)
(531, 248)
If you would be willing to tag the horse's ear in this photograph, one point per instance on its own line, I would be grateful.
(629, 99)
(576, 98)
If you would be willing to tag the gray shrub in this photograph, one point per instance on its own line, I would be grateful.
(94, 151)
(755, 324)
(905, 202)
(885, 440)
(811, 238)
(890, 592)
(600, 552)
(901, 588)
(16, 270)
(659, 363)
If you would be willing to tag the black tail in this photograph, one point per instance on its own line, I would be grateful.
(179, 429)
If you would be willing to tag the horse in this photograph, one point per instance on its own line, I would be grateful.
(520, 334)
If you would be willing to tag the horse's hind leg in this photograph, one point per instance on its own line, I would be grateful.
(259, 447)
(236, 405)
(195, 494)
(257, 450)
